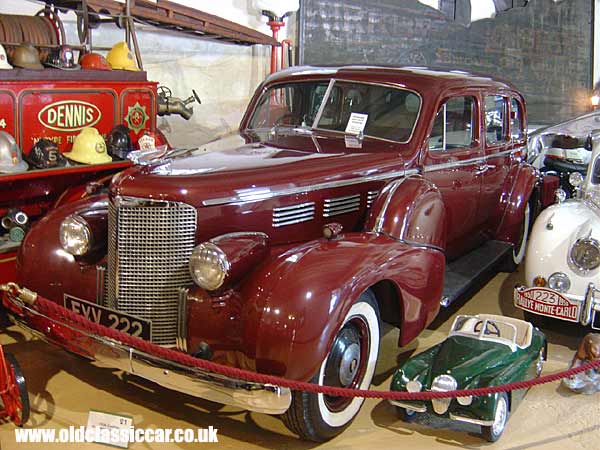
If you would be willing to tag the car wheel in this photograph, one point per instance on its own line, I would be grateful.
(406, 415)
(539, 364)
(350, 363)
(517, 254)
(493, 432)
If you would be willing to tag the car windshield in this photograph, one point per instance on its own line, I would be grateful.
(485, 329)
(347, 107)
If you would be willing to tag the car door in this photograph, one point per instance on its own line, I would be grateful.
(451, 162)
(503, 132)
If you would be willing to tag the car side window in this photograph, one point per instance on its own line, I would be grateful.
(495, 119)
(453, 125)
(517, 125)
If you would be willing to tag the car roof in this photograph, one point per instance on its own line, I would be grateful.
(427, 77)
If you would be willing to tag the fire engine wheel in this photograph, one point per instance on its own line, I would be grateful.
(16, 398)
(350, 363)
(518, 252)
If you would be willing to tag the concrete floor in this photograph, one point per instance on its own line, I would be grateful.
(63, 388)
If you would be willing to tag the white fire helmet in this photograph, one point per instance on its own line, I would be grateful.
(4, 59)
(11, 159)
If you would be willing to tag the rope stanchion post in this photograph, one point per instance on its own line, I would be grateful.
(47, 307)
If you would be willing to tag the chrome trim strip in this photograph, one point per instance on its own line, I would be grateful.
(293, 222)
(101, 284)
(259, 194)
(283, 215)
(323, 101)
(181, 341)
(342, 199)
(292, 207)
(479, 159)
(389, 191)
(108, 353)
(485, 423)
(419, 409)
(339, 212)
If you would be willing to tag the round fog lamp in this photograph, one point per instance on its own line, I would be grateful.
(559, 282)
(414, 386)
(75, 235)
(575, 179)
(585, 254)
(560, 195)
(209, 266)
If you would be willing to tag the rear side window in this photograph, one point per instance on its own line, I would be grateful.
(495, 119)
(517, 125)
(454, 124)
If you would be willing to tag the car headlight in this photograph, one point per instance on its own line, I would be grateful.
(209, 266)
(559, 282)
(414, 386)
(75, 235)
(575, 179)
(585, 254)
(560, 195)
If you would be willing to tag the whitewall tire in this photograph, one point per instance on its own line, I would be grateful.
(350, 363)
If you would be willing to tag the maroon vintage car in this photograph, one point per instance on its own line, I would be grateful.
(361, 195)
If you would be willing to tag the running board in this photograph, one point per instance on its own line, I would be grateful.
(473, 269)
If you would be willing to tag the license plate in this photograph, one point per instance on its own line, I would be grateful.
(126, 323)
(547, 302)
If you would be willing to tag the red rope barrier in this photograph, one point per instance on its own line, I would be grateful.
(50, 308)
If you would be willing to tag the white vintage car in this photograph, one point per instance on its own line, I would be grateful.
(562, 263)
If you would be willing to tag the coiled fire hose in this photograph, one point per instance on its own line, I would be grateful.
(32, 302)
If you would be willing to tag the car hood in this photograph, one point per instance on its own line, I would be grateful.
(466, 358)
(249, 172)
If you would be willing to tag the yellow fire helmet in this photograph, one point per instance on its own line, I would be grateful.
(89, 148)
(120, 57)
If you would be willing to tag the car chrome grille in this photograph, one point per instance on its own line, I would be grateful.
(290, 215)
(341, 205)
(150, 243)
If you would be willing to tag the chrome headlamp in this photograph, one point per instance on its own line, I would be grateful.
(75, 235)
(585, 254)
(559, 281)
(442, 383)
(209, 266)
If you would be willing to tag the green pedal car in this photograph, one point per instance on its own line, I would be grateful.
(480, 351)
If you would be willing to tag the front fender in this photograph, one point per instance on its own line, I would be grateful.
(524, 183)
(294, 305)
(412, 210)
(554, 232)
(43, 266)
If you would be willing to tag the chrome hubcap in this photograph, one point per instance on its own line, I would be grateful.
(344, 360)
(500, 416)
(349, 364)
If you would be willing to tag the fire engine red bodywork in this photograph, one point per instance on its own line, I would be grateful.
(282, 315)
(55, 105)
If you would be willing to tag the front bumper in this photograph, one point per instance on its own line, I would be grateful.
(453, 411)
(585, 310)
(112, 354)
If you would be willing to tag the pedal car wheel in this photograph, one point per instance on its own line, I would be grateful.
(406, 415)
(16, 398)
(351, 364)
(493, 432)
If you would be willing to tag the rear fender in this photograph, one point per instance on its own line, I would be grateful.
(294, 304)
(525, 181)
(412, 210)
